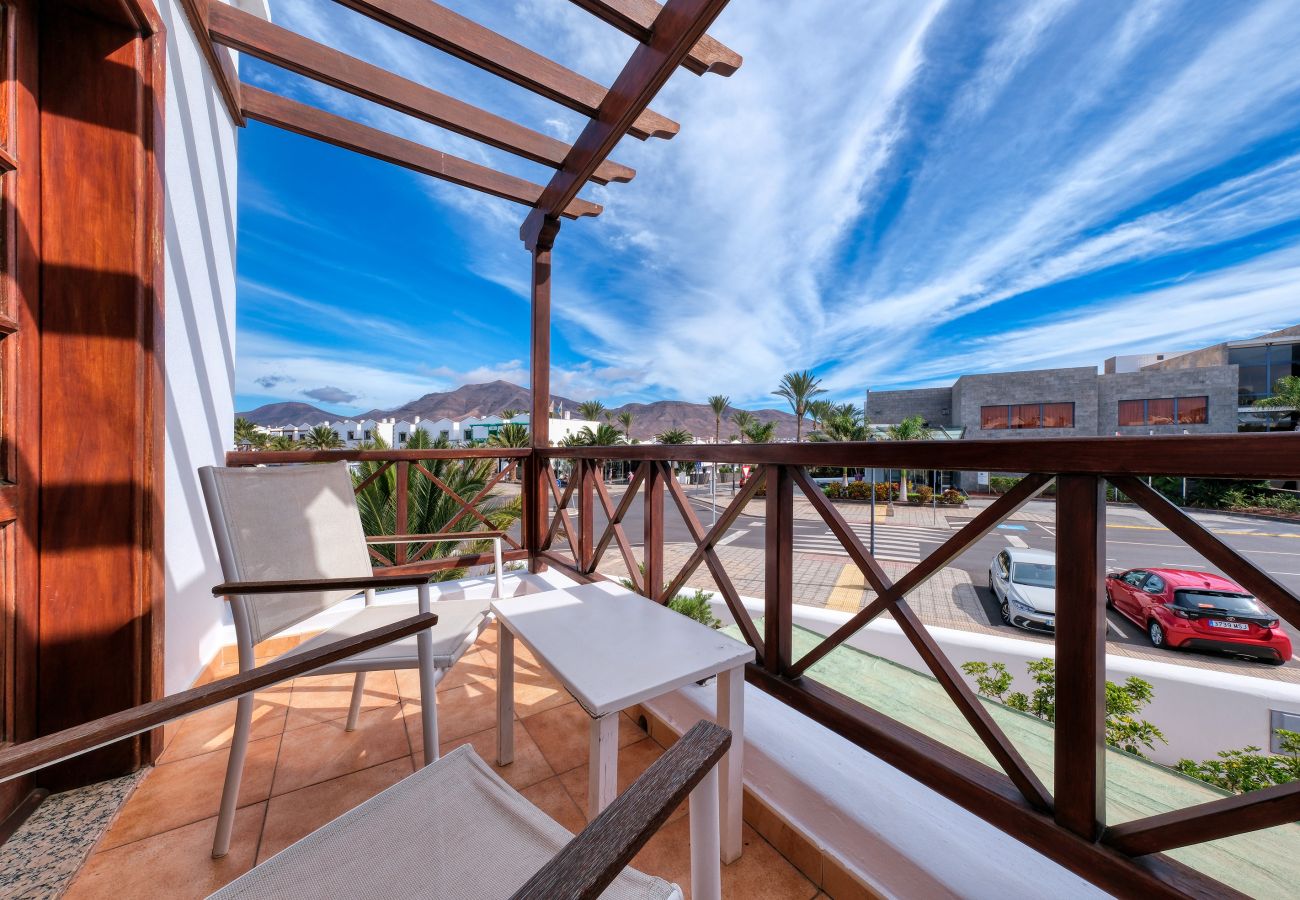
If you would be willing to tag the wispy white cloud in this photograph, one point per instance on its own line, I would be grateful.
(876, 176)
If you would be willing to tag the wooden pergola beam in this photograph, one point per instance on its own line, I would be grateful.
(678, 28)
(465, 39)
(272, 109)
(636, 18)
(238, 30)
(218, 58)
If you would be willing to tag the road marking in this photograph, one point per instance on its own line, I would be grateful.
(1111, 625)
(1015, 541)
(1051, 531)
(1247, 532)
(729, 538)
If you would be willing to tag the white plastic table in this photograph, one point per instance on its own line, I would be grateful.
(612, 649)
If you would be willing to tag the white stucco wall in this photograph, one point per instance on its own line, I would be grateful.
(201, 178)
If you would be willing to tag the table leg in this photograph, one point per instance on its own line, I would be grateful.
(731, 715)
(706, 871)
(505, 695)
(602, 764)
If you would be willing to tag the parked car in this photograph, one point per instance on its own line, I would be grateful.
(1024, 584)
(1199, 611)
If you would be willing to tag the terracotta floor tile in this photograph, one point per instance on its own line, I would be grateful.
(176, 864)
(322, 698)
(633, 759)
(188, 790)
(551, 798)
(213, 728)
(470, 668)
(462, 711)
(292, 816)
(536, 690)
(529, 766)
(760, 874)
(324, 751)
(563, 734)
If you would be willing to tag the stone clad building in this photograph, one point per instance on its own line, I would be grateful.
(1207, 391)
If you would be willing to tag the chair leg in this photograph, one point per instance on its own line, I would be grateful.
(358, 693)
(234, 773)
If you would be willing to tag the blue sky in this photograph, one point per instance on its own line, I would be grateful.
(889, 193)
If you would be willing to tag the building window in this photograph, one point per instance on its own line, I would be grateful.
(993, 417)
(401, 437)
(1259, 368)
(367, 434)
(444, 434)
(1027, 415)
(1165, 411)
(352, 435)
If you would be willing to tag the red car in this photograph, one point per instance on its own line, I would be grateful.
(1178, 608)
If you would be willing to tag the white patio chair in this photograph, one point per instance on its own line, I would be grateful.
(454, 829)
(283, 534)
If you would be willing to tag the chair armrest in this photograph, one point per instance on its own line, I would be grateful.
(359, 583)
(437, 536)
(45, 751)
(595, 857)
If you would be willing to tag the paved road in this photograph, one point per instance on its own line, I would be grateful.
(1133, 540)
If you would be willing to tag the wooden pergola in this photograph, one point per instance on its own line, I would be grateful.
(670, 36)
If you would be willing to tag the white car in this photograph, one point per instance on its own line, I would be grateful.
(1024, 584)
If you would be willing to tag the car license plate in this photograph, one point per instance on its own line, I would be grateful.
(1234, 626)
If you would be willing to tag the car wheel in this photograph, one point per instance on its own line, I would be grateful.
(1156, 634)
(1005, 609)
(1276, 662)
(1110, 604)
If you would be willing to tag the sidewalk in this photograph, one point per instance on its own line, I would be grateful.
(947, 600)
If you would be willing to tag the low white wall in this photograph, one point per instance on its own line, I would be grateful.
(1200, 711)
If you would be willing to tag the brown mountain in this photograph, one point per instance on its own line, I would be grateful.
(467, 400)
(290, 413)
(648, 419)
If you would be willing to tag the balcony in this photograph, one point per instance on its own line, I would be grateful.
(873, 766)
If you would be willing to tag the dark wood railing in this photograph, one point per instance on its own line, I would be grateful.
(419, 553)
(1065, 821)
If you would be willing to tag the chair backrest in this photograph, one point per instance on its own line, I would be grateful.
(285, 522)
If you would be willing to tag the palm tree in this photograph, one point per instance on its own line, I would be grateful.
(910, 429)
(429, 509)
(511, 434)
(842, 423)
(591, 410)
(605, 435)
(322, 437)
(819, 411)
(743, 419)
(761, 432)
(798, 388)
(718, 404)
(282, 442)
(625, 419)
(1286, 393)
(675, 436)
(508, 414)
(248, 433)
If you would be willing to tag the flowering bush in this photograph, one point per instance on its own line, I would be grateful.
(923, 493)
(952, 497)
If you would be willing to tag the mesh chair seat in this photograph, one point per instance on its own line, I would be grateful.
(459, 623)
(452, 830)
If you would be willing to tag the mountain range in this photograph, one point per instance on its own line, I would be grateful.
(481, 400)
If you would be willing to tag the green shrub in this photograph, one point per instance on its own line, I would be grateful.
(923, 493)
(951, 497)
(834, 490)
(1248, 769)
(1000, 484)
(858, 490)
(1124, 730)
(695, 606)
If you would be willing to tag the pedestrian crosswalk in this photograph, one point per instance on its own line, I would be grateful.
(899, 543)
